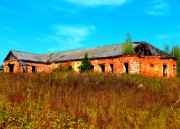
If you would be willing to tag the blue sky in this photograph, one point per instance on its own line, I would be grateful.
(46, 26)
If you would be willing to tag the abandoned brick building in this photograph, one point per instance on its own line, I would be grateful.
(147, 60)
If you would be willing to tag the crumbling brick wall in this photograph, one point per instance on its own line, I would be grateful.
(153, 66)
(14, 62)
(147, 65)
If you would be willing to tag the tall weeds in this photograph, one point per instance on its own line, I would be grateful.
(88, 100)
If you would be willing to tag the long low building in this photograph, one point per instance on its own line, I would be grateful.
(147, 60)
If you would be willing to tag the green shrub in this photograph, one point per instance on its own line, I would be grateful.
(86, 64)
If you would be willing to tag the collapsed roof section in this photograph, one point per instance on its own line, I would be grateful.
(141, 48)
(146, 49)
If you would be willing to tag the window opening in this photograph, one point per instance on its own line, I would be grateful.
(174, 69)
(174, 66)
(102, 67)
(152, 65)
(33, 69)
(165, 70)
(112, 68)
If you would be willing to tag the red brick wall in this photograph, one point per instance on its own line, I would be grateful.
(148, 65)
(16, 65)
(153, 66)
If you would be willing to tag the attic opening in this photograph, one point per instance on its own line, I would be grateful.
(143, 49)
(164, 70)
(102, 66)
(126, 67)
(11, 68)
(33, 69)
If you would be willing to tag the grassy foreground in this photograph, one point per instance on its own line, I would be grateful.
(88, 100)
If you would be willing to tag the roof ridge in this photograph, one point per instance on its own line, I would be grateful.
(84, 48)
(25, 52)
(75, 49)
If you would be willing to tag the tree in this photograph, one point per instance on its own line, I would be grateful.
(176, 52)
(166, 48)
(86, 64)
(128, 45)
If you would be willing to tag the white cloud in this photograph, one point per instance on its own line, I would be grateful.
(93, 3)
(159, 8)
(67, 37)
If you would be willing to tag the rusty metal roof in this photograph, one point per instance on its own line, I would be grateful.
(93, 53)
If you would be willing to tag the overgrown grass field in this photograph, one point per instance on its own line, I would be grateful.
(88, 100)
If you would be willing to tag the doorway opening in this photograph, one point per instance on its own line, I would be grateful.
(126, 67)
(33, 69)
(11, 68)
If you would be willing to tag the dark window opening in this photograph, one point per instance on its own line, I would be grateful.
(174, 69)
(126, 67)
(112, 68)
(33, 69)
(11, 57)
(152, 65)
(11, 68)
(102, 67)
(92, 68)
(164, 70)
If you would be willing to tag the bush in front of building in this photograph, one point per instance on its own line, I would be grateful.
(85, 64)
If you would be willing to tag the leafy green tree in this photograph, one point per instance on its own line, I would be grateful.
(128, 45)
(176, 52)
(166, 48)
(86, 64)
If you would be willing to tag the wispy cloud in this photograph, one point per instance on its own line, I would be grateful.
(159, 8)
(7, 28)
(93, 3)
(67, 36)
